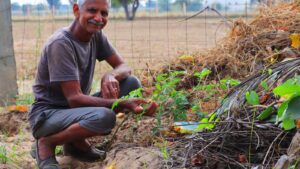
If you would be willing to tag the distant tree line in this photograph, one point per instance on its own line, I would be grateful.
(130, 6)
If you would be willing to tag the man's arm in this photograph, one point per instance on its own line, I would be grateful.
(75, 98)
(120, 69)
(110, 81)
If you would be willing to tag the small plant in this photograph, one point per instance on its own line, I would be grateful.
(163, 149)
(169, 98)
(3, 155)
(289, 110)
(25, 99)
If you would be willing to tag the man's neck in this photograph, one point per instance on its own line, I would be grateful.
(79, 33)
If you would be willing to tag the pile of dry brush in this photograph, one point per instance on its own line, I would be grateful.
(250, 48)
(247, 48)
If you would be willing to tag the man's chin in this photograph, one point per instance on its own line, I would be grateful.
(94, 30)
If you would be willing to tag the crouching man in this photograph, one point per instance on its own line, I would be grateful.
(64, 113)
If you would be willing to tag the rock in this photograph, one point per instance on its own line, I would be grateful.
(294, 149)
(283, 162)
(134, 157)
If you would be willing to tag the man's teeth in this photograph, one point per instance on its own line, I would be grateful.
(96, 23)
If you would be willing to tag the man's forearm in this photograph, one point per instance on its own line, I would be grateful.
(121, 72)
(89, 101)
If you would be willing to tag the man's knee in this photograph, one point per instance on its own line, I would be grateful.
(133, 81)
(102, 121)
(129, 84)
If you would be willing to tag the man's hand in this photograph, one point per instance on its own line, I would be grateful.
(110, 88)
(133, 104)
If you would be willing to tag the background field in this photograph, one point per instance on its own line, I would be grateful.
(145, 40)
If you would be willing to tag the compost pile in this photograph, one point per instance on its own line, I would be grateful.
(259, 49)
(247, 48)
(239, 139)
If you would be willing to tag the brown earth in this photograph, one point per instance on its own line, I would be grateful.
(16, 141)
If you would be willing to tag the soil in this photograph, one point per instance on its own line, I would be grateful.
(127, 151)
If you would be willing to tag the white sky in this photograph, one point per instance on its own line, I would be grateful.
(44, 1)
(36, 1)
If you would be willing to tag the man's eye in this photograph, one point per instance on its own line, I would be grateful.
(92, 10)
(104, 14)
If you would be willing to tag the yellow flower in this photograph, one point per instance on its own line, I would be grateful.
(187, 58)
(295, 40)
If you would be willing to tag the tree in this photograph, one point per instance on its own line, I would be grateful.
(130, 7)
(183, 4)
(194, 5)
(53, 5)
(40, 7)
(72, 2)
(26, 9)
(15, 6)
(163, 5)
(189, 5)
(8, 84)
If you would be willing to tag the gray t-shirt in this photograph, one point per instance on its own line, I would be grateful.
(65, 58)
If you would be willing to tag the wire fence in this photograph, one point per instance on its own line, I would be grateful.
(157, 35)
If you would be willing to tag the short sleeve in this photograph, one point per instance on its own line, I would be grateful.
(61, 62)
(104, 46)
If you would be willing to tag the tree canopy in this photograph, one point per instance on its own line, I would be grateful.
(54, 4)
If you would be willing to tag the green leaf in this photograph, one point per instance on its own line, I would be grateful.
(203, 124)
(266, 113)
(252, 98)
(136, 93)
(293, 109)
(287, 89)
(270, 71)
(158, 86)
(265, 85)
(115, 104)
(282, 108)
(205, 72)
(288, 124)
(161, 77)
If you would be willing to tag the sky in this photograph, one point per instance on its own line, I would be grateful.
(36, 1)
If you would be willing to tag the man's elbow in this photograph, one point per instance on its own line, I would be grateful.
(74, 101)
(129, 72)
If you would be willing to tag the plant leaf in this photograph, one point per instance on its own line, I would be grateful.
(264, 84)
(287, 89)
(266, 113)
(293, 109)
(282, 108)
(288, 124)
(252, 98)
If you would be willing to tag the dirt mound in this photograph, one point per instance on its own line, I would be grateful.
(11, 123)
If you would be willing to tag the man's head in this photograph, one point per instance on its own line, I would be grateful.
(92, 15)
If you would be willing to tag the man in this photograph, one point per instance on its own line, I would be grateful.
(63, 112)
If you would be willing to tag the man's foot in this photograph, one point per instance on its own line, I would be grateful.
(83, 151)
(48, 162)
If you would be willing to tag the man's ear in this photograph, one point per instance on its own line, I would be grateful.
(76, 10)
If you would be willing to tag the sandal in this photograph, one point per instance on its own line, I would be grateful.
(91, 155)
(49, 163)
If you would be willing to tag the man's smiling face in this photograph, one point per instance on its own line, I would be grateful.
(92, 15)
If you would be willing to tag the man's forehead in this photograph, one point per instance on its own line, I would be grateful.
(82, 2)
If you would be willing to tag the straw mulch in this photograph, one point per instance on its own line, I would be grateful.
(247, 48)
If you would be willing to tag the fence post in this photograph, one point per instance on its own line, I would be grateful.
(8, 77)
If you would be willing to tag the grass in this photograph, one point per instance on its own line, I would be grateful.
(25, 99)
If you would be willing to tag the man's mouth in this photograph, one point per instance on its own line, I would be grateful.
(100, 24)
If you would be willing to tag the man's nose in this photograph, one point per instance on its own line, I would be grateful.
(99, 17)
